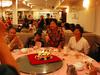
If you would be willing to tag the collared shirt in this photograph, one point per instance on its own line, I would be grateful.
(82, 45)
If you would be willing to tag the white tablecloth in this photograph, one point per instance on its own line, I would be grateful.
(69, 57)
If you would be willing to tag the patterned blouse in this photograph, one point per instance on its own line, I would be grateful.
(56, 38)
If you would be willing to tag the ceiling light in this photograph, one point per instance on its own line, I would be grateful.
(67, 9)
(24, 2)
(5, 3)
(85, 3)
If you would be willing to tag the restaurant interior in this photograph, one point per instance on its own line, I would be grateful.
(25, 17)
(86, 14)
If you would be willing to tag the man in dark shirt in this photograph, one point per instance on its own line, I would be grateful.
(48, 19)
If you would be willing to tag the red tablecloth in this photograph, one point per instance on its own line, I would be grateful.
(33, 60)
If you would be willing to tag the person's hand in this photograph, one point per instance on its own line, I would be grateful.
(92, 69)
(38, 44)
(59, 48)
(16, 39)
(60, 45)
(18, 42)
(47, 38)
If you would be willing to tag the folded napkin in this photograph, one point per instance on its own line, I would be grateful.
(33, 60)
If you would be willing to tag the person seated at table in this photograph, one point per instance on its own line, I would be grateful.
(36, 38)
(72, 27)
(5, 54)
(13, 40)
(77, 42)
(55, 36)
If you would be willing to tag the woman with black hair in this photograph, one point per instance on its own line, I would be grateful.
(5, 54)
(77, 42)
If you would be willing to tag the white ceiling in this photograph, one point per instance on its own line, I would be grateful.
(49, 4)
(40, 4)
(52, 4)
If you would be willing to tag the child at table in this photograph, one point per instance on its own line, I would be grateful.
(35, 41)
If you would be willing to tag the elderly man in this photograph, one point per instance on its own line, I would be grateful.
(55, 36)
(12, 40)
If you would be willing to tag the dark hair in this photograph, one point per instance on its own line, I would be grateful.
(8, 70)
(78, 25)
(80, 29)
(67, 26)
(48, 14)
(72, 27)
(29, 15)
(54, 20)
(11, 28)
(38, 34)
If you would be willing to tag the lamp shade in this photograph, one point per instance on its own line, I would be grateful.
(5, 3)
